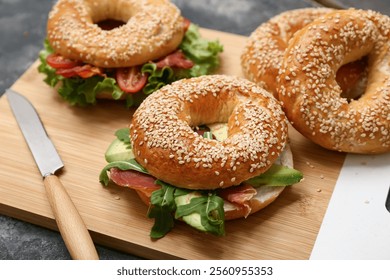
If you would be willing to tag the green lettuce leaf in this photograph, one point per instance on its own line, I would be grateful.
(204, 53)
(157, 77)
(82, 92)
(77, 91)
(51, 78)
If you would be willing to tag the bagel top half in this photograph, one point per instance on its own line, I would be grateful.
(152, 29)
(165, 143)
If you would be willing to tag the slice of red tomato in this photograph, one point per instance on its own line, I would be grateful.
(131, 79)
(57, 61)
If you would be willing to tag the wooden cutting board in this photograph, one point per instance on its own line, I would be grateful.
(286, 229)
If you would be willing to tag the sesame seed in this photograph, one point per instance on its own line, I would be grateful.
(264, 50)
(320, 112)
(155, 30)
(165, 122)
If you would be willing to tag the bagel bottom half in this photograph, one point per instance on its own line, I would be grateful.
(265, 194)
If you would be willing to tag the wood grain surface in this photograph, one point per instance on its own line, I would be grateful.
(286, 229)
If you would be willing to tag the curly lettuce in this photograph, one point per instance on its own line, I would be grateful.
(77, 91)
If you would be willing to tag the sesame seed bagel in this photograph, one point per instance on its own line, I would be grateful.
(311, 96)
(152, 29)
(265, 47)
(165, 143)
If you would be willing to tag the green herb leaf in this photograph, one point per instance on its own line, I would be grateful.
(163, 221)
(210, 208)
(162, 209)
(131, 164)
(277, 176)
(123, 134)
(164, 196)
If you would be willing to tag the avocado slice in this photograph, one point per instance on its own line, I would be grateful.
(193, 219)
(119, 151)
(203, 211)
(277, 176)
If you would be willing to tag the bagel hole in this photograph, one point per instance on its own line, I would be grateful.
(109, 24)
(352, 79)
(202, 129)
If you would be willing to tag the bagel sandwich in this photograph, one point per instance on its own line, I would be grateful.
(205, 210)
(97, 51)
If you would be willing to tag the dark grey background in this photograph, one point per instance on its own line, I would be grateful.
(22, 31)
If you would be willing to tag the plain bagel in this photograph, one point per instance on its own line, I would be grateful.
(311, 96)
(164, 142)
(152, 29)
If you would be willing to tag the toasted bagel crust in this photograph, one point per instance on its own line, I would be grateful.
(152, 29)
(265, 47)
(311, 96)
(165, 144)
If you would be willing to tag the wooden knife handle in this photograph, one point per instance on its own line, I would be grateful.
(70, 224)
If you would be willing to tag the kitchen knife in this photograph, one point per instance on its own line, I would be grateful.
(70, 224)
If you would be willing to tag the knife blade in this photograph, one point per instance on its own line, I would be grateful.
(387, 205)
(332, 4)
(70, 224)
